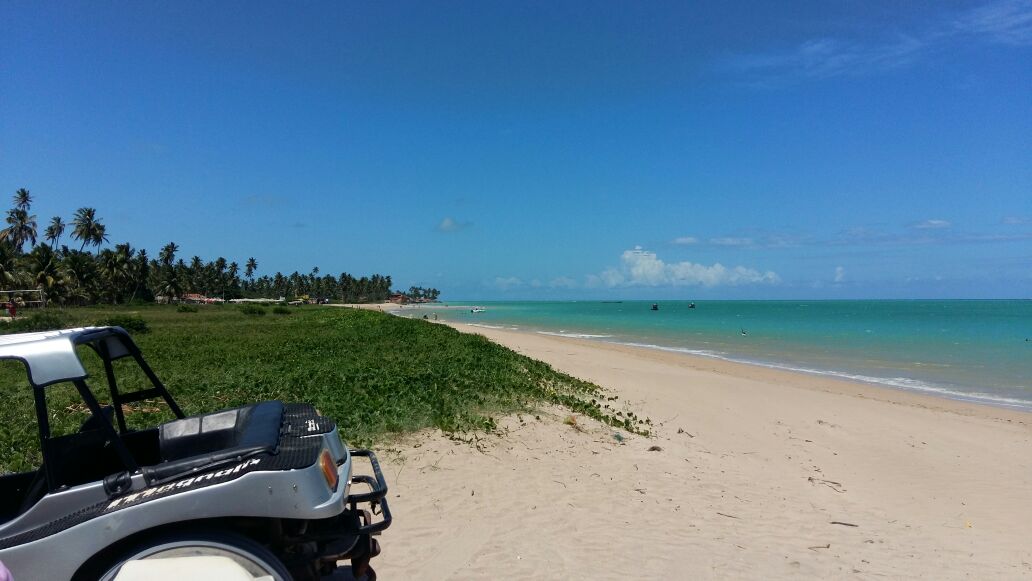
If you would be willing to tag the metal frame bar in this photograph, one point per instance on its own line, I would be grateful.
(158, 386)
(105, 425)
(43, 423)
(377, 496)
(109, 371)
(96, 342)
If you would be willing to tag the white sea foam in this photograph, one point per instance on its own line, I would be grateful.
(482, 325)
(574, 335)
(685, 350)
(904, 383)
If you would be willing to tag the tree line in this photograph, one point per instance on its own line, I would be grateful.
(418, 293)
(90, 274)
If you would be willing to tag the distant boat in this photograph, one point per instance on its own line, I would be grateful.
(744, 333)
(691, 305)
(477, 310)
(655, 307)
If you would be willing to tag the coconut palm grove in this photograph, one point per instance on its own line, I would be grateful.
(70, 264)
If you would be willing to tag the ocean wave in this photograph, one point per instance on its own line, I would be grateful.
(574, 335)
(910, 384)
(684, 350)
(904, 383)
(484, 326)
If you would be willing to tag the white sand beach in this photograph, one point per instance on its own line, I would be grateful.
(759, 474)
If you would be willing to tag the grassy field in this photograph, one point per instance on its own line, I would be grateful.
(376, 374)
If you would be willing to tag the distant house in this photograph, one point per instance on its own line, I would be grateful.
(398, 298)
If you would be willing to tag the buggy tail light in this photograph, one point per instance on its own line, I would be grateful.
(329, 469)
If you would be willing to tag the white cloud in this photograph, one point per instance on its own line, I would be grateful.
(506, 282)
(562, 282)
(686, 240)
(933, 224)
(642, 268)
(1004, 22)
(784, 241)
(611, 277)
(840, 274)
(1007, 22)
(731, 241)
(449, 224)
(829, 57)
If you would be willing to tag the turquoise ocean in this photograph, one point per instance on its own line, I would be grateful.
(970, 350)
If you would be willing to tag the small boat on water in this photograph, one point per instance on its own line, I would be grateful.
(655, 306)
(691, 305)
(477, 310)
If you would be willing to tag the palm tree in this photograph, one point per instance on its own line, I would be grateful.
(140, 270)
(170, 287)
(219, 276)
(116, 268)
(82, 274)
(249, 268)
(167, 256)
(22, 199)
(83, 225)
(45, 272)
(233, 284)
(196, 269)
(182, 274)
(21, 228)
(87, 228)
(279, 284)
(8, 266)
(54, 231)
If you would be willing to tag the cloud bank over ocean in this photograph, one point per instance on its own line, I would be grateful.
(639, 267)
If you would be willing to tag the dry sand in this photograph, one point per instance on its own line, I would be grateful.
(761, 474)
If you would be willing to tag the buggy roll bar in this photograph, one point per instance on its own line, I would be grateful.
(58, 348)
(118, 399)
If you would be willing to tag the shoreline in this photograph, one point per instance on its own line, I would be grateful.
(931, 397)
(759, 372)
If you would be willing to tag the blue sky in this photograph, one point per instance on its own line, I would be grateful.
(543, 149)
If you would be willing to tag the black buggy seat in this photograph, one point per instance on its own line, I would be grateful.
(207, 439)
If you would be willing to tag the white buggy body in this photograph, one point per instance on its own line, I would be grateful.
(268, 484)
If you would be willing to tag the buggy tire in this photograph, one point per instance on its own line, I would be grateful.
(249, 554)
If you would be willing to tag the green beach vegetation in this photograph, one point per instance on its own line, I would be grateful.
(122, 274)
(377, 375)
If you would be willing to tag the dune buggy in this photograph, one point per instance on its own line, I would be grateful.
(268, 485)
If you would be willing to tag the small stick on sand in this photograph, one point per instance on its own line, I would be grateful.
(836, 486)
